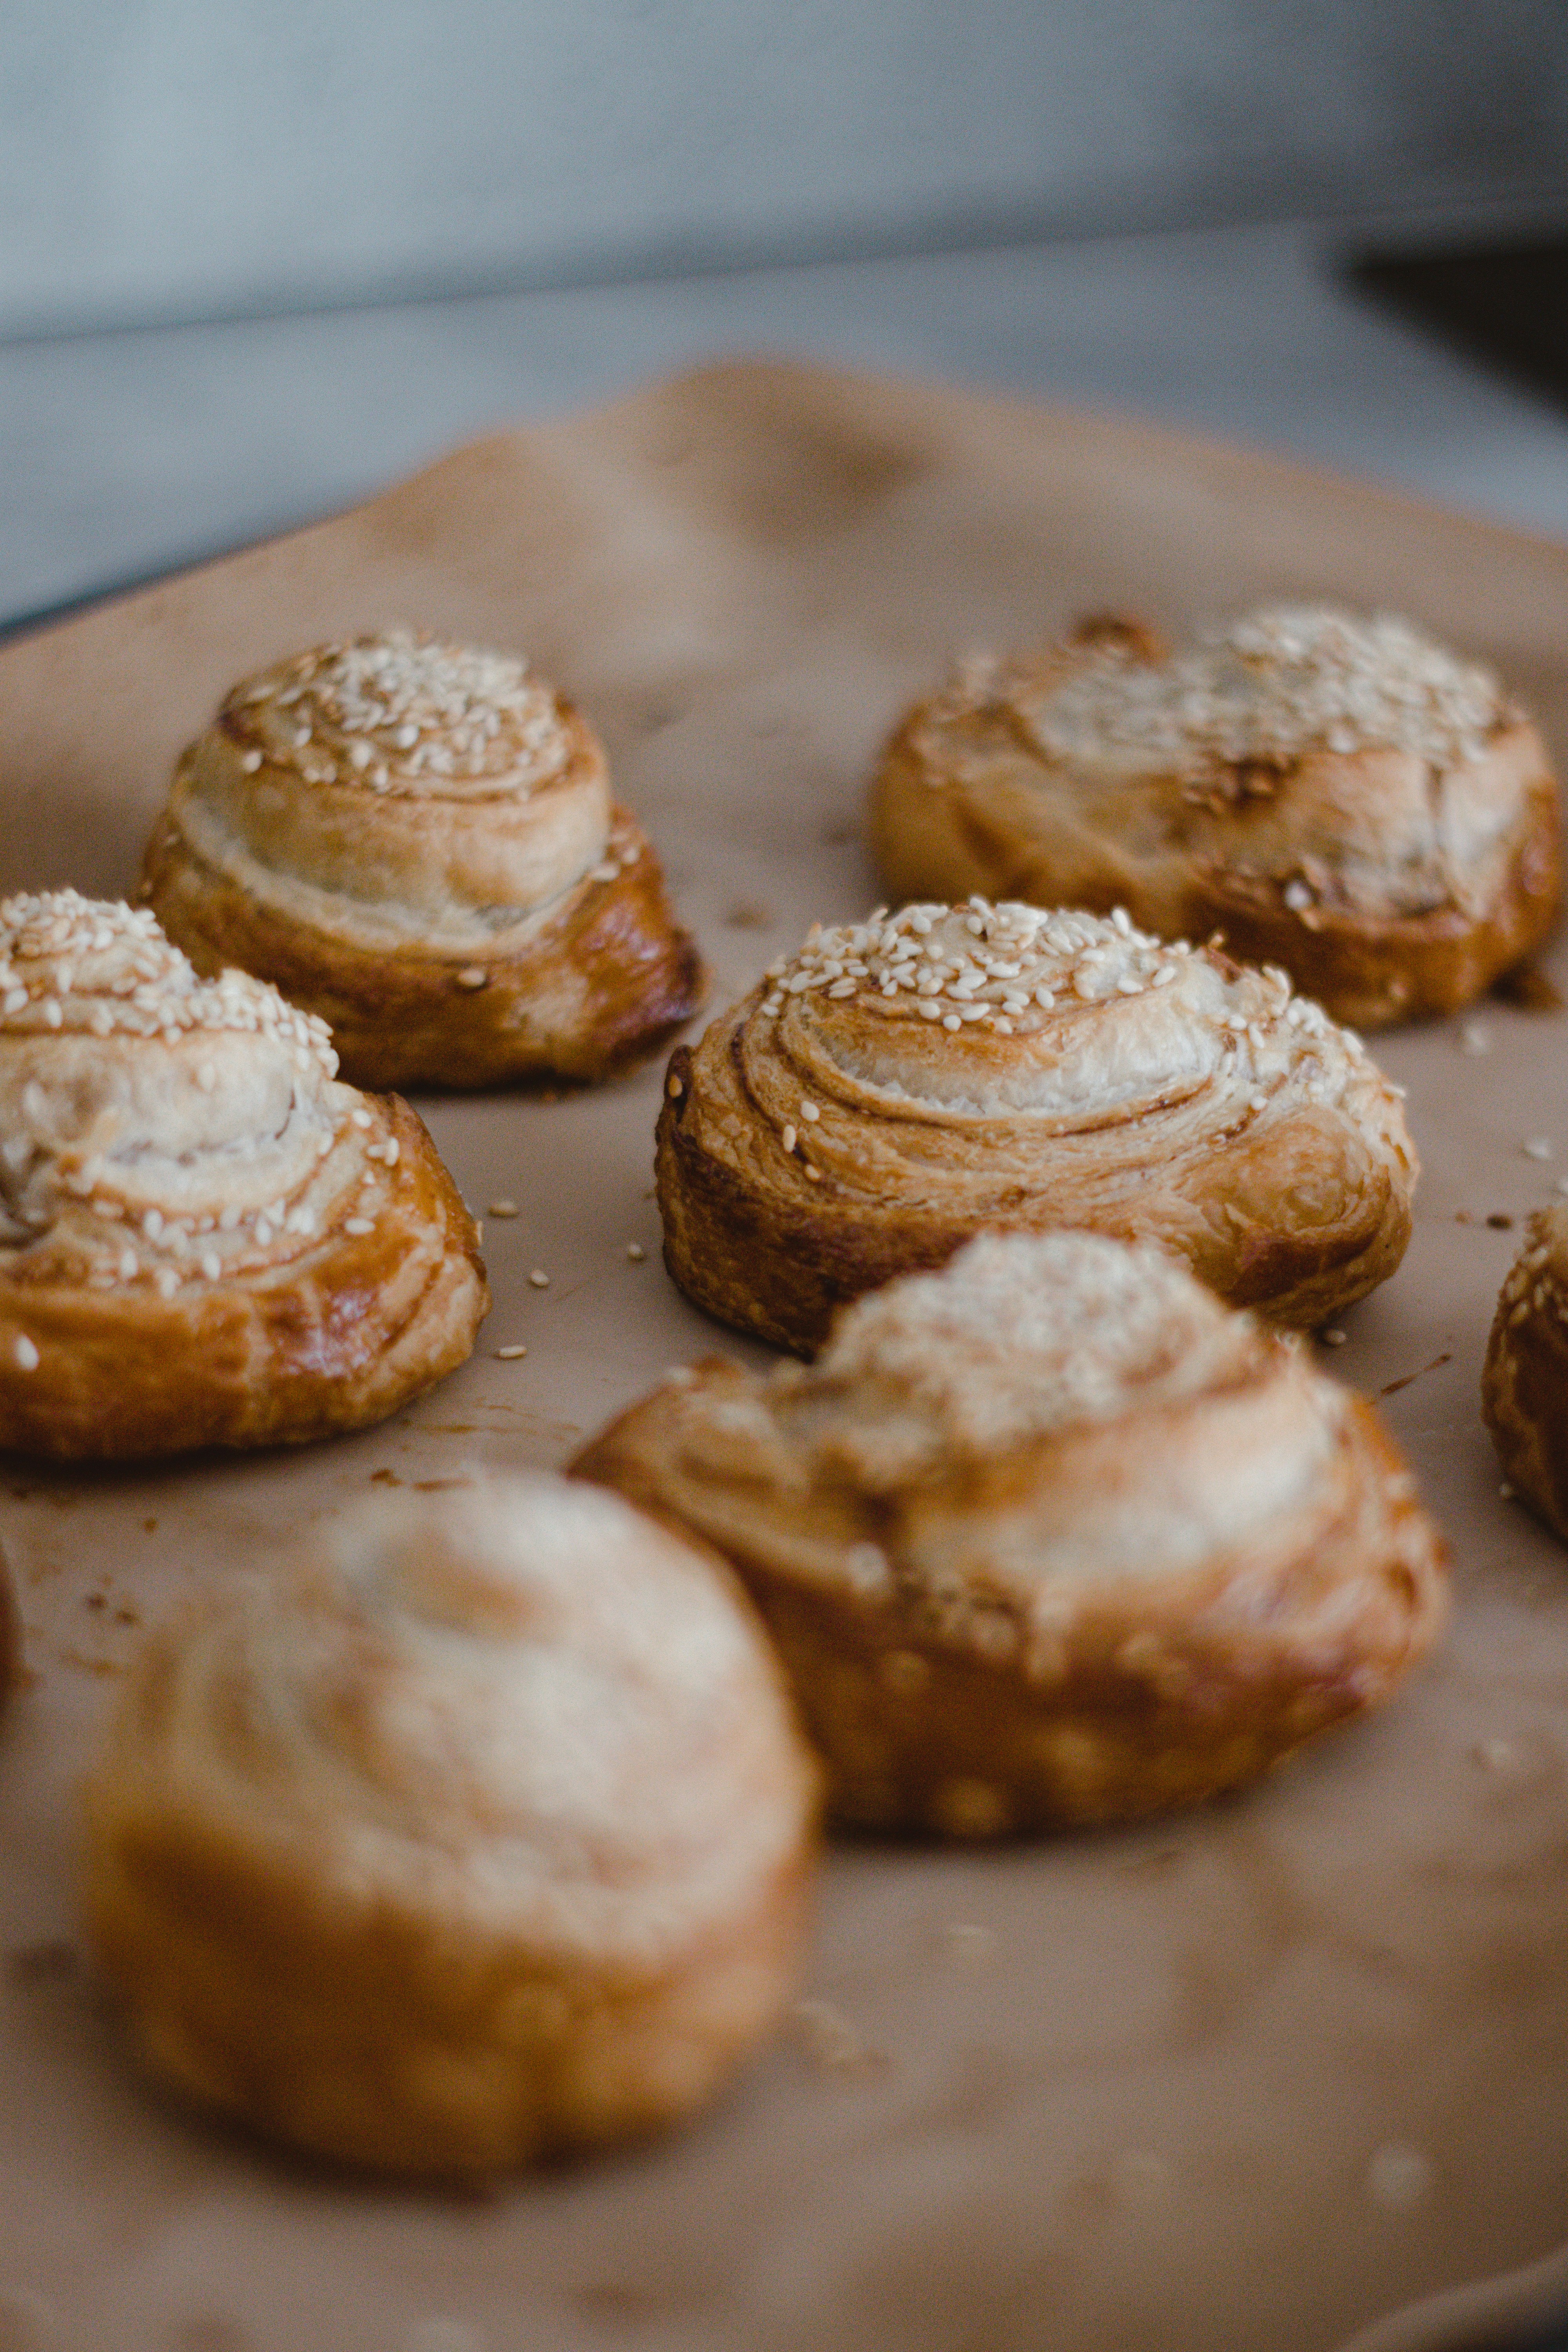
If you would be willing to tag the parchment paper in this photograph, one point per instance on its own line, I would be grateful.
(1255, 2077)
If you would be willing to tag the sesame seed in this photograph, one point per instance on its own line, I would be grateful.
(26, 1353)
(358, 1225)
(502, 1209)
(787, 1139)
(539, 1278)
(360, 1117)
(472, 975)
(1255, 695)
(1333, 1339)
(674, 1090)
(1536, 1147)
(167, 1281)
(635, 1252)
(510, 1355)
(211, 1264)
(809, 1111)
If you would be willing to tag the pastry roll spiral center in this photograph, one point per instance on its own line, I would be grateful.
(1061, 1021)
(427, 789)
(508, 1708)
(914, 1008)
(1024, 1340)
(1399, 778)
(127, 1082)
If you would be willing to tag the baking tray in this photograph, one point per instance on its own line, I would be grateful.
(1267, 2075)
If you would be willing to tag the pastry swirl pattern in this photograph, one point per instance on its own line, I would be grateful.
(904, 1082)
(204, 1238)
(417, 842)
(481, 1827)
(1343, 797)
(1051, 1535)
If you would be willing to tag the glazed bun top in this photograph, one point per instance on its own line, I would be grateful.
(402, 714)
(1298, 738)
(136, 1097)
(1021, 1336)
(1048, 1420)
(964, 1032)
(522, 1706)
(396, 787)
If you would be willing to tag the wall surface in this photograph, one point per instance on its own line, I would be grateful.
(169, 159)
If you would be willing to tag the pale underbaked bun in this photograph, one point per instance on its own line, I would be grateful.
(1051, 1536)
(1339, 796)
(901, 1083)
(416, 840)
(1524, 1385)
(204, 1239)
(481, 1830)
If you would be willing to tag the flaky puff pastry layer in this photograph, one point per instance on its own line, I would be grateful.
(1340, 797)
(902, 1083)
(417, 842)
(205, 1239)
(1524, 1384)
(480, 1829)
(1050, 1538)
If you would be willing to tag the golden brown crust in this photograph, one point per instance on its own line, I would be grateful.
(600, 984)
(829, 1132)
(204, 1240)
(481, 1832)
(307, 1343)
(1389, 882)
(491, 919)
(1052, 1614)
(1524, 1384)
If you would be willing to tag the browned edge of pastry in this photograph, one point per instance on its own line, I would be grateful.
(919, 1733)
(604, 980)
(603, 2062)
(762, 1262)
(779, 1264)
(334, 1338)
(1370, 973)
(1524, 1384)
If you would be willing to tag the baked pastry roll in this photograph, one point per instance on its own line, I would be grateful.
(903, 1082)
(1524, 1385)
(1050, 1537)
(1341, 797)
(204, 1239)
(480, 1829)
(417, 841)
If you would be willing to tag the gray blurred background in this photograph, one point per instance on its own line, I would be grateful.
(175, 159)
(257, 259)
